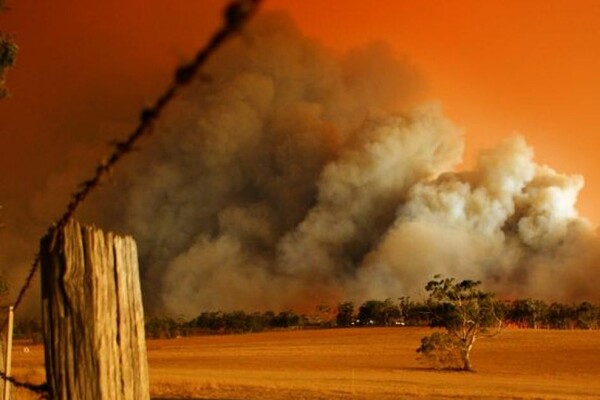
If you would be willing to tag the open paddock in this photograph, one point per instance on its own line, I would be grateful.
(360, 363)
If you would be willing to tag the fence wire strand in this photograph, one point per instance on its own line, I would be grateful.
(235, 16)
(38, 389)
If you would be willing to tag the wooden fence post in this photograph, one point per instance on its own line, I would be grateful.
(92, 316)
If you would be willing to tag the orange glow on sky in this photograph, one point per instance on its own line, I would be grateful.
(498, 67)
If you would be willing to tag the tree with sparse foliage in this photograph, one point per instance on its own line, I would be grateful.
(345, 314)
(528, 313)
(465, 314)
(588, 316)
(8, 55)
(371, 313)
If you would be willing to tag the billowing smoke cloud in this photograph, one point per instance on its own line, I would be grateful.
(509, 222)
(291, 176)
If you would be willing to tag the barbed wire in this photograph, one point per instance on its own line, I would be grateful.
(235, 16)
(38, 389)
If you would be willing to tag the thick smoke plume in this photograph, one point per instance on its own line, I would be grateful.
(290, 176)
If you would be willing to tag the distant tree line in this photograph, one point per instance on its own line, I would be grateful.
(218, 322)
(530, 313)
(522, 313)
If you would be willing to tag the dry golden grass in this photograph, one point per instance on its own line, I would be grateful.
(374, 363)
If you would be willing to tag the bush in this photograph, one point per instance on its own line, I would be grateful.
(440, 351)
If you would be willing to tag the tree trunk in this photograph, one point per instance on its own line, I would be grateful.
(466, 357)
(92, 316)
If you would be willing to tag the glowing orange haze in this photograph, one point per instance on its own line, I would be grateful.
(86, 68)
(496, 66)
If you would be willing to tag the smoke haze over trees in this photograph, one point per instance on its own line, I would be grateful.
(291, 176)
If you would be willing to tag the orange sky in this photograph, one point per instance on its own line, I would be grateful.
(86, 69)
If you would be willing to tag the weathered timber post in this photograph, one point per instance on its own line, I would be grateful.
(92, 316)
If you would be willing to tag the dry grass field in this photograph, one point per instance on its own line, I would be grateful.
(373, 363)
